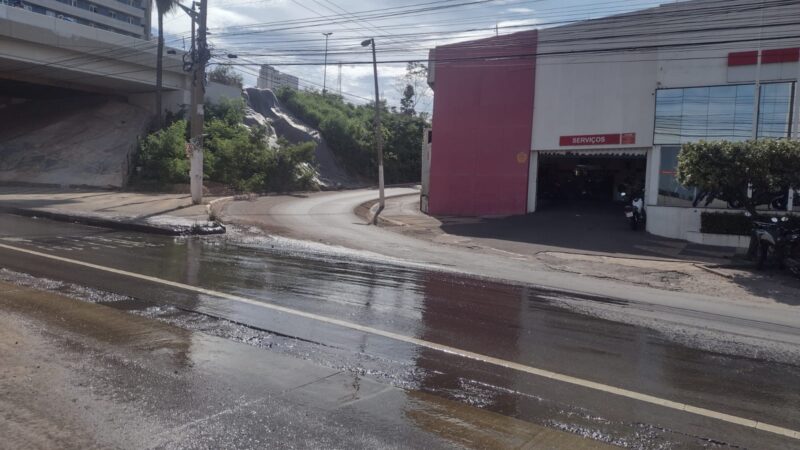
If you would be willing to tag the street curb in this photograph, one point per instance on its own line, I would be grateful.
(363, 211)
(118, 224)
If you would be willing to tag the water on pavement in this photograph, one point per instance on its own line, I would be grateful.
(516, 323)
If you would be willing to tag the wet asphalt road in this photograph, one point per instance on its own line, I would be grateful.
(520, 324)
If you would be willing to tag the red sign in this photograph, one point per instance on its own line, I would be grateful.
(628, 138)
(598, 139)
(590, 139)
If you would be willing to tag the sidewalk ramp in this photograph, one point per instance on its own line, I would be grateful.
(87, 141)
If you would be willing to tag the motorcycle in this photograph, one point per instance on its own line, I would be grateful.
(635, 211)
(775, 242)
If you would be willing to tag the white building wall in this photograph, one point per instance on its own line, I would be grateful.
(576, 96)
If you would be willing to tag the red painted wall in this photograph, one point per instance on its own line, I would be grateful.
(482, 120)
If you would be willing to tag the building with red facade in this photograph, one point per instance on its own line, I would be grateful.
(580, 113)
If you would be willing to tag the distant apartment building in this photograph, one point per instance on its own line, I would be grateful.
(272, 79)
(126, 17)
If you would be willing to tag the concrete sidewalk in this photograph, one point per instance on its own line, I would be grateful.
(594, 241)
(586, 229)
(171, 214)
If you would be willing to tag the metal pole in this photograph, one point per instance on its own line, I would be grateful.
(325, 64)
(198, 113)
(378, 137)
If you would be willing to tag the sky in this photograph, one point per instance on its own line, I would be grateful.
(289, 34)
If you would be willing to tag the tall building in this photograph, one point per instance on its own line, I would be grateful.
(271, 78)
(126, 17)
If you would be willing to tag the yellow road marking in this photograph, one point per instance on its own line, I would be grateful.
(749, 423)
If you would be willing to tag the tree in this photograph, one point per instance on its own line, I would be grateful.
(163, 7)
(745, 174)
(226, 75)
(407, 102)
(413, 88)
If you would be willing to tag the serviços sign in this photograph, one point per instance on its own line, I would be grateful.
(598, 139)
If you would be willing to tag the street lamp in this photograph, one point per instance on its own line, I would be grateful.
(325, 70)
(378, 135)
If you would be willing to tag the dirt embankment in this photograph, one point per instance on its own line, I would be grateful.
(86, 141)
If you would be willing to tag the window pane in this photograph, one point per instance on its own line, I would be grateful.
(670, 192)
(721, 112)
(694, 123)
(774, 110)
(669, 106)
(743, 114)
(704, 113)
(796, 201)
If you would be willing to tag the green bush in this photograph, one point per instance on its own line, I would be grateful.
(233, 154)
(162, 155)
(736, 224)
(348, 130)
(743, 173)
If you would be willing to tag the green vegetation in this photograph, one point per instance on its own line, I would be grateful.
(729, 170)
(234, 155)
(348, 130)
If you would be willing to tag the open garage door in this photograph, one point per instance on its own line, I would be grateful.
(589, 181)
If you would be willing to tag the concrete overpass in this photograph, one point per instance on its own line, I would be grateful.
(41, 54)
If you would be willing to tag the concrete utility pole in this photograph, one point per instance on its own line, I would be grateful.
(378, 134)
(197, 113)
(325, 64)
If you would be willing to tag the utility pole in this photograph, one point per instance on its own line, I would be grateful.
(325, 70)
(378, 134)
(197, 112)
(340, 79)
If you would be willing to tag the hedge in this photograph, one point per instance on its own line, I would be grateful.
(736, 224)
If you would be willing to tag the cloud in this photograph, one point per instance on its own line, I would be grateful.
(290, 31)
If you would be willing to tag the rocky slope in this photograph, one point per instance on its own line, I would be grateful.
(266, 109)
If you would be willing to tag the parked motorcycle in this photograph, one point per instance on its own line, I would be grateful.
(635, 211)
(774, 241)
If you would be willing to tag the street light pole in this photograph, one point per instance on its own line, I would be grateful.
(325, 70)
(378, 134)
(197, 112)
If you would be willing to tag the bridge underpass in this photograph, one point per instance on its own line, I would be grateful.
(75, 100)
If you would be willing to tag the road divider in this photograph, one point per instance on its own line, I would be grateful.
(626, 393)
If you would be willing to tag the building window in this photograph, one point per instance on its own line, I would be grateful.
(670, 192)
(112, 14)
(93, 8)
(775, 110)
(721, 113)
(796, 201)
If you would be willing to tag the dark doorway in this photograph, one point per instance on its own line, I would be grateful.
(580, 181)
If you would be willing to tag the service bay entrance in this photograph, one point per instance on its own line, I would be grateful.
(587, 180)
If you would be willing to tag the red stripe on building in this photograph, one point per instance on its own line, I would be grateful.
(781, 55)
(743, 58)
(483, 120)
